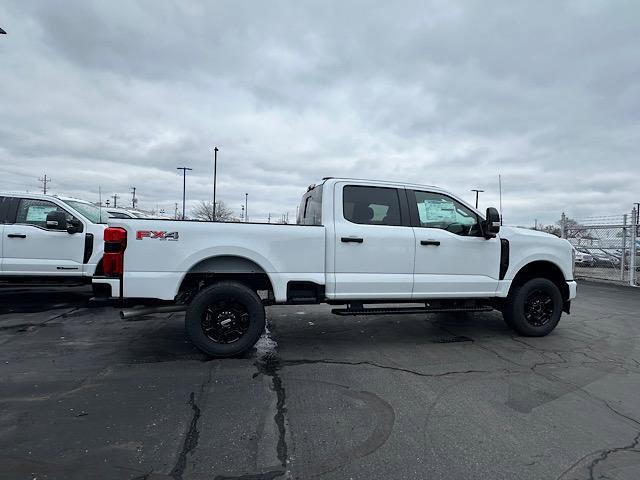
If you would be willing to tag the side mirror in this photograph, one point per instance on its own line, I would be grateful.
(57, 220)
(74, 226)
(491, 226)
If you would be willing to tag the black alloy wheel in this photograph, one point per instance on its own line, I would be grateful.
(538, 308)
(225, 322)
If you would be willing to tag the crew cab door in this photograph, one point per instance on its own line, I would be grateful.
(30, 248)
(452, 258)
(374, 243)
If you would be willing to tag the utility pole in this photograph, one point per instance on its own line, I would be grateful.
(500, 190)
(44, 181)
(536, 225)
(269, 219)
(215, 168)
(115, 200)
(246, 207)
(477, 192)
(184, 186)
(133, 197)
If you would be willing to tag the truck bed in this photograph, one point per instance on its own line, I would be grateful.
(160, 253)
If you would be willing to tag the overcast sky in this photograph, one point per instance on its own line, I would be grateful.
(119, 94)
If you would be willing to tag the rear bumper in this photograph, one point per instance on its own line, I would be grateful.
(111, 287)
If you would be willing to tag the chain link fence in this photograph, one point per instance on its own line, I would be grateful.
(606, 248)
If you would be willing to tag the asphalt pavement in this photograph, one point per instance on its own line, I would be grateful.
(86, 395)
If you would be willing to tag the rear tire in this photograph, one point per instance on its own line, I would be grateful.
(225, 319)
(533, 309)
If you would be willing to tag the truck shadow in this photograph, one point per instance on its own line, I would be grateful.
(34, 299)
(162, 338)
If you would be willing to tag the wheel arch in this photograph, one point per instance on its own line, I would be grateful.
(541, 269)
(226, 267)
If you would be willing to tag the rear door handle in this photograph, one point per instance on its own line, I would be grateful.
(17, 235)
(430, 242)
(352, 240)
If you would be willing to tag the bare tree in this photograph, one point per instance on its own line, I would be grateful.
(204, 211)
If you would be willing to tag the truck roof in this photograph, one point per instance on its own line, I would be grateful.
(42, 196)
(386, 182)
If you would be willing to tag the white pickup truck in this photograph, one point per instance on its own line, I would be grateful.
(357, 243)
(49, 239)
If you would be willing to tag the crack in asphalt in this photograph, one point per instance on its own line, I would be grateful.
(604, 454)
(293, 363)
(144, 476)
(257, 476)
(269, 366)
(190, 440)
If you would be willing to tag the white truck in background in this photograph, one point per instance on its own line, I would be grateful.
(357, 243)
(47, 239)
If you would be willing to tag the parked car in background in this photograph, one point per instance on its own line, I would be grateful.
(114, 212)
(601, 258)
(582, 259)
(49, 239)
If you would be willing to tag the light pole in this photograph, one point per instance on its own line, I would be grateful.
(246, 207)
(477, 192)
(184, 185)
(215, 167)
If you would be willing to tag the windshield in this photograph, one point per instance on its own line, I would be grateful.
(91, 212)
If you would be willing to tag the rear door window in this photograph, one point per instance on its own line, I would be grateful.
(371, 205)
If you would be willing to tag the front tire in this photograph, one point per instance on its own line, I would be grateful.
(533, 309)
(225, 319)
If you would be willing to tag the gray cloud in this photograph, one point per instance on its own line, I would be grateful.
(119, 94)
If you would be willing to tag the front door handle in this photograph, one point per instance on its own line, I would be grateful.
(430, 242)
(17, 235)
(352, 240)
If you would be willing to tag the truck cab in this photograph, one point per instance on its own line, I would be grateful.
(49, 239)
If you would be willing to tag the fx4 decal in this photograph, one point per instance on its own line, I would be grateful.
(172, 236)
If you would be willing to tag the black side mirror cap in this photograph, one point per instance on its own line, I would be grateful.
(491, 226)
(57, 220)
(74, 226)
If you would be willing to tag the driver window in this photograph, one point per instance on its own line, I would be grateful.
(34, 212)
(439, 211)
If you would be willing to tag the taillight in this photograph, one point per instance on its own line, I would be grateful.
(115, 242)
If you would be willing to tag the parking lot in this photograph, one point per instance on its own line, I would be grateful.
(87, 395)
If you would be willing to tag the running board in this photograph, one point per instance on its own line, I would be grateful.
(407, 310)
